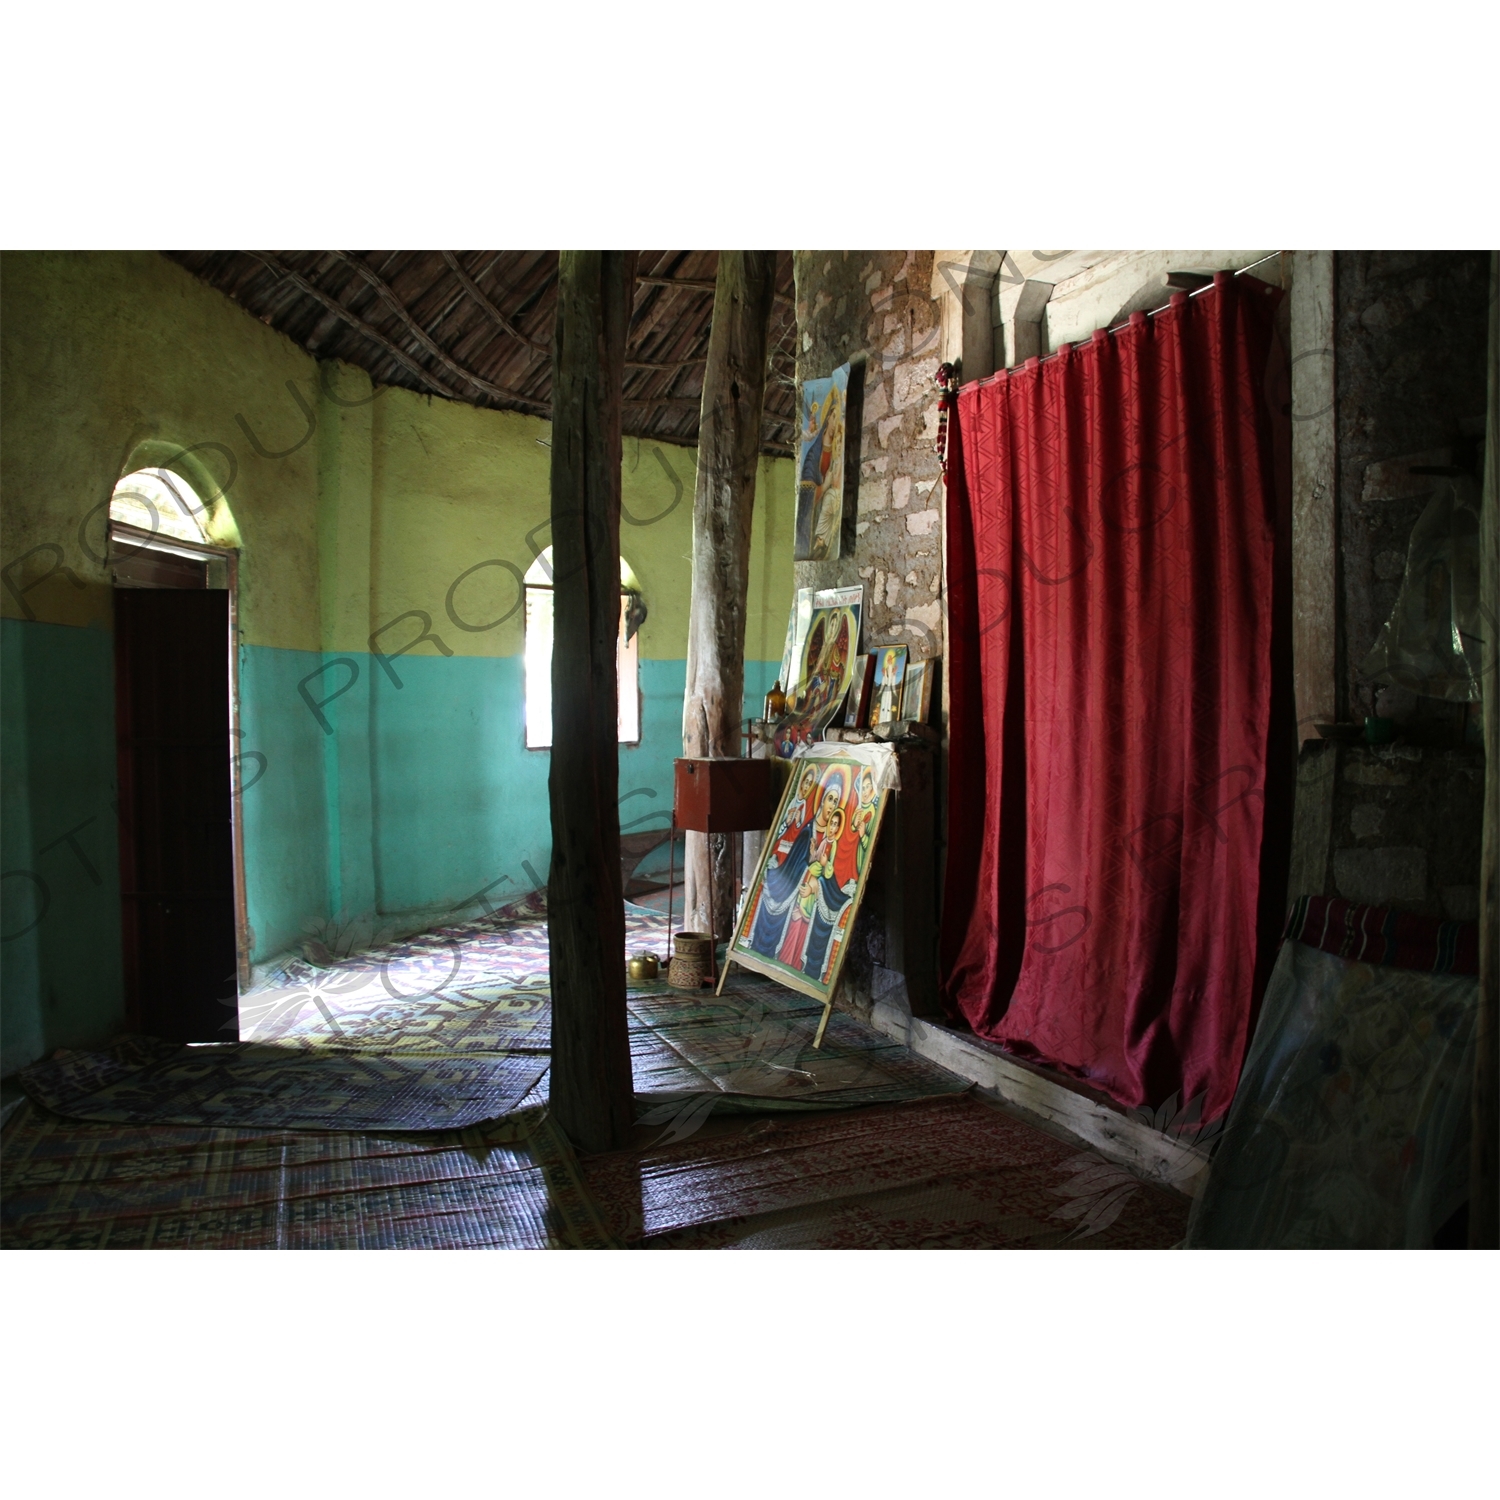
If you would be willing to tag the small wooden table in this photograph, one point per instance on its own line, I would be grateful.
(717, 796)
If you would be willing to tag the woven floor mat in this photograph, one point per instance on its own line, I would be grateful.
(348, 1047)
(935, 1174)
(65, 1184)
(289, 1085)
(971, 1211)
(488, 958)
(755, 1043)
(939, 1172)
(475, 1019)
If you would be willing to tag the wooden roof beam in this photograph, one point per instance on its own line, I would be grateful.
(472, 288)
(421, 335)
(285, 272)
(695, 284)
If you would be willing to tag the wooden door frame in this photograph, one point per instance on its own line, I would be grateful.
(148, 541)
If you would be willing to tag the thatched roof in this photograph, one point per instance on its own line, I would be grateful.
(476, 325)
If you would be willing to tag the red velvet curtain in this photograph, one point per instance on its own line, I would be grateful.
(1120, 724)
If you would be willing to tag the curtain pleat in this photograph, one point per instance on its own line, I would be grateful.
(1116, 536)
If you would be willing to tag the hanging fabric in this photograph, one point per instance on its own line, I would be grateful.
(1120, 726)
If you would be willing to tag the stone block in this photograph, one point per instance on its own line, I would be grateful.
(1379, 877)
(1392, 478)
(1364, 773)
(914, 382)
(924, 619)
(1461, 903)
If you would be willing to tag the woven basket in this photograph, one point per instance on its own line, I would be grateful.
(690, 964)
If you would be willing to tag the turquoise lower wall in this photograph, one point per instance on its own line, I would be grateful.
(400, 807)
(60, 970)
(284, 808)
(431, 806)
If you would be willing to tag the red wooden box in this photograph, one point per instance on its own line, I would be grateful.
(723, 796)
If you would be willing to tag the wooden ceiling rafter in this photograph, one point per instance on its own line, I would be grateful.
(384, 291)
(472, 288)
(476, 326)
(698, 284)
(285, 273)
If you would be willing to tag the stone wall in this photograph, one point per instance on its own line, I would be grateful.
(875, 309)
(1410, 372)
(1406, 828)
(1410, 377)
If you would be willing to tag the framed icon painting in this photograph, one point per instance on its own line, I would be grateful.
(813, 869)
(916, 696)
(890, 680)
(820, 468)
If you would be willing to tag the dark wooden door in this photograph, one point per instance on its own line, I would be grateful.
(176, 840)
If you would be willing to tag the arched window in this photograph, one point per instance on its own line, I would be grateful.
(539, 654)
(161, 502)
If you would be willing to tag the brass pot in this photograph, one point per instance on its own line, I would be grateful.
(643, 966)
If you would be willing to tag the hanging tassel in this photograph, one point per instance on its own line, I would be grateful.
(948, 389)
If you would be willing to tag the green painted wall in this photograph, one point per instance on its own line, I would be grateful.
(374, 809)
(60, 979)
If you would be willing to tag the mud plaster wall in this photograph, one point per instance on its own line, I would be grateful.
(1410, 369)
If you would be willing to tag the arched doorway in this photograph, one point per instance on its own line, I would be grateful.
(181, 901)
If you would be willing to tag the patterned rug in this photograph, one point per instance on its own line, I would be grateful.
(70, 1185)
(476, 1018)
(488, 958)
(948, 1173)
(339, 1053)
(287, 1085)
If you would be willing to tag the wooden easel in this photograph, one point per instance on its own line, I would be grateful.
(827, 1004)
(793, 982)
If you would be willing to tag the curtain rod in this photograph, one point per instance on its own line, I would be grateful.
(1150, 313)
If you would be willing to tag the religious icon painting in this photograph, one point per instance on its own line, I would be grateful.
(820, 468)
(820, 678)
(890, 680)
(826, 665)
(812, 874)
(857, 704)
(796, 633)
(916, 696)
(800, 622)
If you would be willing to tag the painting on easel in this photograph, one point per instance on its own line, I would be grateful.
(813, 869)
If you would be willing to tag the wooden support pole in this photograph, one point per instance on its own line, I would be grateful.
(1484, 1180)
(734, 387)
(1315, 581)
(591, 1087)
